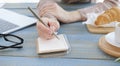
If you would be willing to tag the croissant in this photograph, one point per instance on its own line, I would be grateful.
(108, 16)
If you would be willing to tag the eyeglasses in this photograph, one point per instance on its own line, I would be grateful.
(12, 39)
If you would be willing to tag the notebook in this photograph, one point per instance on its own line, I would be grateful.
(11, 21)
(53, 45)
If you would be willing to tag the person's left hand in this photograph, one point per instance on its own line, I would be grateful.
(52, 8)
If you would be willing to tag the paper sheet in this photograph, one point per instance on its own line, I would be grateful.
(53, 45)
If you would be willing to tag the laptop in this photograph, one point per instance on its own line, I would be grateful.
(11, 21)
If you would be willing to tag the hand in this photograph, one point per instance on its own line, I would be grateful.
(47, 32)
(51, 8)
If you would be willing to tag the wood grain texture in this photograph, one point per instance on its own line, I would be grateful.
(108, 48)
(99, 30)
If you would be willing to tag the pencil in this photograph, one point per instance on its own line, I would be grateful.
(41, 20)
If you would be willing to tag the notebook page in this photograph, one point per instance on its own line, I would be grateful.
(53, 45)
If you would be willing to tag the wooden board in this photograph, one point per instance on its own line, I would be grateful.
(108, 48)
(99, 30)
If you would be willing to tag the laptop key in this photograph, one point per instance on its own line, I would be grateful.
(5, 26)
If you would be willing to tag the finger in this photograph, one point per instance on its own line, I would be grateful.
(42, 14)
(43, 35)
(53, 29)
(46, 7)
(47, 10)
(43, 4)
(50, 37)
(43, 28)
(47, 32)
(54, 26)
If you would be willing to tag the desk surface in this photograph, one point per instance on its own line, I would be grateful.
(84, 46)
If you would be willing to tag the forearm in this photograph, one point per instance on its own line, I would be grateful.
(76, 16)
(99, 7)
(41, 2)
(80, 14)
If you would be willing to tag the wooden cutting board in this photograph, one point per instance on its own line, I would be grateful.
(108, 48)
(99, 30)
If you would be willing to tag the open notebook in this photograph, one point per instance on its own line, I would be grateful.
(11, 21)
(53, 45)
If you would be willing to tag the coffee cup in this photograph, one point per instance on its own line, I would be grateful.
(117, 32)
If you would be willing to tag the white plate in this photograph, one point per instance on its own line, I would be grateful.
(110, 38)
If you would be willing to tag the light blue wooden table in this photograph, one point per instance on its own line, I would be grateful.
(84, 46)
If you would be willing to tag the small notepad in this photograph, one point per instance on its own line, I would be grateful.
(53, 45)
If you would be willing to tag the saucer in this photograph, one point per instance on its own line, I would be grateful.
(108, 48)
(110, 38)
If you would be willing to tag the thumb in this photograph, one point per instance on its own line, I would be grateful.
(52, 26)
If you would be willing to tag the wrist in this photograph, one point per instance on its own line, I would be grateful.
(77, 15)
(49, 16)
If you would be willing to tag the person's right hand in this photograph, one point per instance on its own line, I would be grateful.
(47, 32)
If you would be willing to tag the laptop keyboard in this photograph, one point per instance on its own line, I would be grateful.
(5, 26)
